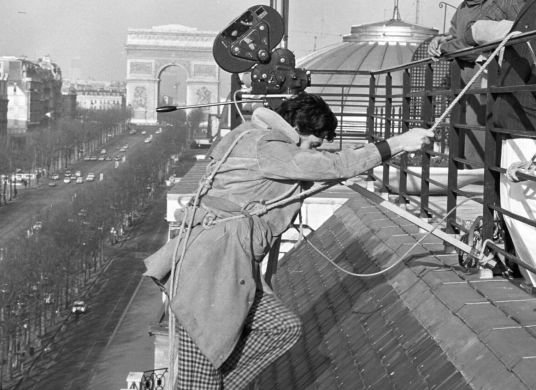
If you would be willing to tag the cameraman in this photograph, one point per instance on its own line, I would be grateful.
(231, 325)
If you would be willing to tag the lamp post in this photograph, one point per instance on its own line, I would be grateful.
(446, 5)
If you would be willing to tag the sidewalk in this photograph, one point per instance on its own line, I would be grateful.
(130, 347)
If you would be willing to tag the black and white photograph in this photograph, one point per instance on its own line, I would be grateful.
(268, 195)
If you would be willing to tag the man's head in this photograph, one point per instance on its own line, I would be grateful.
(311, 116)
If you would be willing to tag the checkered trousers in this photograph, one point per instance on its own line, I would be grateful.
(269, 331)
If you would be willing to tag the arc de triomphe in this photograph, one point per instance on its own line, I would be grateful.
(151, 51)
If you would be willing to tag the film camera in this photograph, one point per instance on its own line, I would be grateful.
(249, 42)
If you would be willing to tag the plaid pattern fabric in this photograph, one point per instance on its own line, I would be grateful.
(269, 331)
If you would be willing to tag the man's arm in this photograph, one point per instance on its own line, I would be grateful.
(283, 161)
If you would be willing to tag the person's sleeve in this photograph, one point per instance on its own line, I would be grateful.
(485, 31)
(284, 161)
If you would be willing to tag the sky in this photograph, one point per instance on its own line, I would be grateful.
(91, 34)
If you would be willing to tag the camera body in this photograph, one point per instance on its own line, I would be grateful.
(248, 43)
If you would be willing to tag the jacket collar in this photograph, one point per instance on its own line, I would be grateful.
(268, 119)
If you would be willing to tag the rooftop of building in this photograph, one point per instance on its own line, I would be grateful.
(425, 325)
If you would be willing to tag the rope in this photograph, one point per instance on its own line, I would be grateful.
(184, 236)
(474, 78)
(396, 262)
(528, 166)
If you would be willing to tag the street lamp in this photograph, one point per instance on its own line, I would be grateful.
(446, 5)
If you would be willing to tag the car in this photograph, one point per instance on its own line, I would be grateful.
(103, 151)
(78, 173)
(79, 307)
(38, 225)
(158, 131)
(54, 176)
(52, 183)
(66, 179)
(67, 172)
(79, 180)
(132, 132)
(102, 158)
(123, 150)
(87, 158)
(90, 176)
(143, 132)
(147, 140)
(93, 158)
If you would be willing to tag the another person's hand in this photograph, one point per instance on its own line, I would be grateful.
(411, 140)
(434, 47)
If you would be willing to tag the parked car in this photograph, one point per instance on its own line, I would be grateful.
(79, 180)
(79, 307)
(52, 183)
(78, 173)
(54, 176)
(158, 131)
(90, 176)
(66, 179)
(68, 172)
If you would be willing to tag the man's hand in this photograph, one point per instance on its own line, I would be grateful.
(434, 47)
(410, 141)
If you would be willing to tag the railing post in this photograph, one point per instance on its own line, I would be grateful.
(455, 146)
(341, 122)
(427, 113)
(388, 120)
(406, 105)
(370, 115)
(492, 157)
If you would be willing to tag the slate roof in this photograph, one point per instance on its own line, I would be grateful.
(427, 325)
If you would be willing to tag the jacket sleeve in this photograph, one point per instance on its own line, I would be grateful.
(457, 42)
(491, 26)
(282, 160)
(485, 31)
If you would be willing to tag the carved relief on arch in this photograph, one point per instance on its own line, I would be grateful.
(140, 97)
(140, 67)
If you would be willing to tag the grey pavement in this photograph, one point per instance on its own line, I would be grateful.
(130, 347)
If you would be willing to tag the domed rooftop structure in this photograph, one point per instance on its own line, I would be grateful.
(367, 48)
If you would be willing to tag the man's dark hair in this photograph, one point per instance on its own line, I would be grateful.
(310, 114)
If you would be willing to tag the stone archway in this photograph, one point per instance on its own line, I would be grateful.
(151, 51)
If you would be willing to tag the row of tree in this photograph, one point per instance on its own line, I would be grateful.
(48, 266)
(52, 148)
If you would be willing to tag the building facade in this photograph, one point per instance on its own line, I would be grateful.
(97, 95)
(33, 92)
(3, 107)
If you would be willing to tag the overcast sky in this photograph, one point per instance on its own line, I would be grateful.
(93, 32)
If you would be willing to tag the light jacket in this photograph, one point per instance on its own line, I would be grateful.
(219, 273)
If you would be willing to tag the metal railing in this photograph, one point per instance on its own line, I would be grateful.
(154, 379)
(393, 107)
